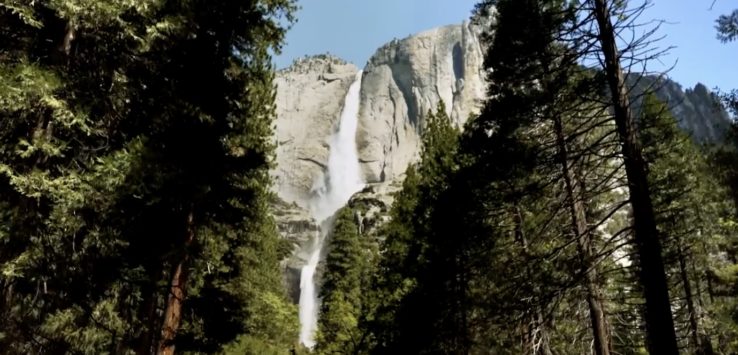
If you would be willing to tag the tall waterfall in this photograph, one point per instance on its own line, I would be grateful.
(341, 180)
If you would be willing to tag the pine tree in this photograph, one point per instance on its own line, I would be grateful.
(536, 108)
(658, 316)
(727, 31)
(346, 285)
(688, 206)
(727, 26)
(719, 271)
(419, 273)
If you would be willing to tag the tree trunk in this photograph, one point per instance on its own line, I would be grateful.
(600, 331)
(63, 52)
(661, 336)
(545, 342)
(147, 313)
(693, 323)
(534, 337)
(531, 344)
(463, 305)
(706, 342)
(173, 313)
(7, 300)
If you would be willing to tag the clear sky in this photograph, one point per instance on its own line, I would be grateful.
(354, 29)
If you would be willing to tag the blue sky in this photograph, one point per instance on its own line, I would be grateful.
(354, 29)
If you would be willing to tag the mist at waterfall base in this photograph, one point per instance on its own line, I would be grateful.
(332, 191)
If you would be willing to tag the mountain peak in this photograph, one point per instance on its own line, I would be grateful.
(325, 62)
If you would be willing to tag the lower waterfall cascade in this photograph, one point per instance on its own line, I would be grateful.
(332, 191)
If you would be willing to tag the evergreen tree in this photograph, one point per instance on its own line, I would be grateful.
(418, 290)
(134, 177)
(720, 278)
(59, 173)
(346, 283)
(536, 109)
(689, 207)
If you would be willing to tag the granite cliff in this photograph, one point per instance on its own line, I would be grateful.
(401, 83)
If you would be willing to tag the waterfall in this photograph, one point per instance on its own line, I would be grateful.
(340, 181)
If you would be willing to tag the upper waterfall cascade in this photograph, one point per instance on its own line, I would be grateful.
(332, 191)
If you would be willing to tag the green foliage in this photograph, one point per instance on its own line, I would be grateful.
(721, 286)
(727, 27)
(348, 266)
(120, 120)
(480, 238)
(689, 204)
(414, 246)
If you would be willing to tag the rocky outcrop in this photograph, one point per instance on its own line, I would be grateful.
(403, 81)
(310, 96)
(371, 206)
(296, 225)
(697, 110)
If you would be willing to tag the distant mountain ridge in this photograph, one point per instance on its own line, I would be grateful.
(697, 109)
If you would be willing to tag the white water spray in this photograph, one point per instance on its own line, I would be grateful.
(341, 180)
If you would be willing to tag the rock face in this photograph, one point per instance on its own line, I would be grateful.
(309, 99)
(403, 81)
(697, 110)
(296, 225)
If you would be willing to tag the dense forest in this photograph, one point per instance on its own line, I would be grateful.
(570, 216)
